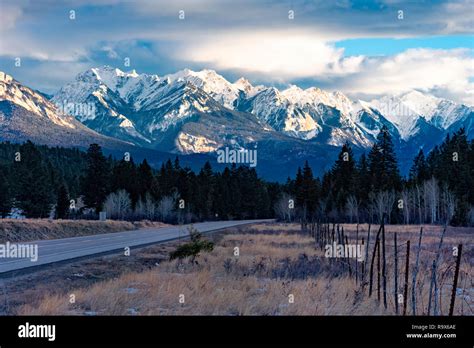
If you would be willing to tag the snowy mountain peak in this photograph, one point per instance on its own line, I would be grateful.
(363, 105)
(188, 74)
(405, 111)
(5, 77)
(26, 114)
(243, 84)
(314, 90)
(210, 82)
(209, 73)
(293, 93)
(133, 73)
(422, 104)
(13, 91)
(106, 75)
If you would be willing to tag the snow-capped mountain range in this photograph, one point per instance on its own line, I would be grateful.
(199, 112)
(27, 115)
(140, 107)
(406, 110)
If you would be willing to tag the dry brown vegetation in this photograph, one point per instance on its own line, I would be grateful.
(275, 261)
(14, 230)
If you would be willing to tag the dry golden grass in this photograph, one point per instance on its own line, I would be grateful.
(14, 230)
(271, 266)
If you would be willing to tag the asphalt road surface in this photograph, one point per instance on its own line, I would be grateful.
(65, 249)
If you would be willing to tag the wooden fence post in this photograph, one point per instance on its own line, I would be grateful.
(378, 270)
(362, 271)
(357, 261)
(433, 276)
(432, 281)
(415, 273)
(342, 235)
(396, 272)
(371, 276)
(455, 282)
(384, 265)
(407, 266)
(349, 260)
(366, 255)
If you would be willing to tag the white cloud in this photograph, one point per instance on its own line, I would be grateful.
(423, 69)
(111, 53)
(10, 14)
(25, 46)
(287, 54)
(49, 75)
(255, 39)
(457, 16)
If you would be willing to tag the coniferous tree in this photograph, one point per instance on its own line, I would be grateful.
(250, 191)
(190, 191)
(458, 174)
(306, 191)
(263, 201)
(383, 164)
(299, 194)
(124, 177)
(97, 179)
(432, 161)
(205, 181)
(289, 186)
(236, 194)
(166, 179)
(182, 183)
(223, 197)
(54, 176)
(470, 159)
(344, 176)
(419, 172)
(274, 192)
(144, 179)
(363, 181)
(62, 203)
(5, 193)
(327, 192)
(33, 182)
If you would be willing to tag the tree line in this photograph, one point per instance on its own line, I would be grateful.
(439, 187)
(41, 181)
(67, 183)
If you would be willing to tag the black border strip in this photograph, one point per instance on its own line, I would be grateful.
(195, 330)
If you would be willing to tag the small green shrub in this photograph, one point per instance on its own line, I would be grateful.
(193, 248)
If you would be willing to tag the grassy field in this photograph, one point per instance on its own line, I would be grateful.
(279, 271)
(14, 230)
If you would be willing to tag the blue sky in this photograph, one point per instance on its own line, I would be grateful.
(390, 46)
(362, 48)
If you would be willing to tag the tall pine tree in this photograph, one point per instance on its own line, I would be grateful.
(33, 182)
(419, 172)
(62, 203)
(307, 191)
(344, 176)
(124, 177)
(205, 193)
(363, 180)
(383, 164)
(97, 179)
(5, 193)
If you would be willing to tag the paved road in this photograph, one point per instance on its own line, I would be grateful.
(59, 250)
